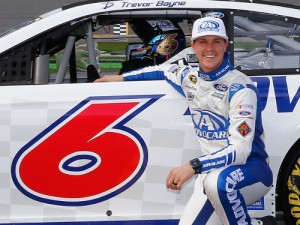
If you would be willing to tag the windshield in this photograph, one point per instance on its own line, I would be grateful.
(26, 23)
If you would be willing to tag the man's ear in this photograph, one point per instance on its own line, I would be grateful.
(227, 44)
(192, 44)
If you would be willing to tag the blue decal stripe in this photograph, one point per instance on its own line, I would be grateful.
(213, 163)
(229, 158)
(177, 87)
(153, 75)
(284, 103)
(205, 213)
(234, 156)
(259, 130)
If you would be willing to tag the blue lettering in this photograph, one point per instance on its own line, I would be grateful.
(283, 102)
(282, 95)
(263, 86)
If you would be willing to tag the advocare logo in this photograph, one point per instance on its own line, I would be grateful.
(209, 26)
(209, 125)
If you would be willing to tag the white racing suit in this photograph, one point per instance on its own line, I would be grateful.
(226, 113)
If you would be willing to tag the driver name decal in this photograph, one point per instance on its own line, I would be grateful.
(86, 156)
(168, 4)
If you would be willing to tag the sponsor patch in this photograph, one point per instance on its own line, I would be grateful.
(218, 95)
(193, 79)
(235, 87)
(162, 24)
(243, 117)
(174, 69)
(204, 76)
(190, 96)
(258, 205)
(209, 25)
(245, 113)
(221, 87)
(190, 87)
(185, 72)
(244, 129)
(244, 106)
(215, 14)
(209, 125)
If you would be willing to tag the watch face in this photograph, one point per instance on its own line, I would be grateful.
(195, 162)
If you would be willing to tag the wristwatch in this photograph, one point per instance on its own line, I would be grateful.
(197, 165)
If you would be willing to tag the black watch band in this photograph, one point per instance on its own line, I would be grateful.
(197, 165)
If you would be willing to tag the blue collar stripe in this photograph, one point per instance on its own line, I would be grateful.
(219, 72)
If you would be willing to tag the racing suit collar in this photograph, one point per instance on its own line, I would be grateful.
(219, 72)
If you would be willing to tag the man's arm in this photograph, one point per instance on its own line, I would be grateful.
(146, 73)
(110, 78)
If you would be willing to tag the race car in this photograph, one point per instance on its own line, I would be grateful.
(73, 151)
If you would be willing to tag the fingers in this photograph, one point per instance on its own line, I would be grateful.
(178, 176)
(172, 181)
(97, 80)
(174, 185)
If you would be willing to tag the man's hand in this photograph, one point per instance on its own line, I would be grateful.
(110, 78)
(178, 176)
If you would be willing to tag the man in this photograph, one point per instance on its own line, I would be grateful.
(226, 112)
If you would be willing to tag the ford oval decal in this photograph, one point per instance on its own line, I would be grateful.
(221, 87)
(215, 14)
(245, 113)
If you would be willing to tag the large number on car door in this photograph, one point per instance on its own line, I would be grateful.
(87, 156)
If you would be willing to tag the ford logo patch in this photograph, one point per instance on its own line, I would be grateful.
(221, 87)
(245, 113)
(215, 14)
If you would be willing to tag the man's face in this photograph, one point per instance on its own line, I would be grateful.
(209, 51)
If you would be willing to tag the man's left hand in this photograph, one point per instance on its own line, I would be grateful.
(178, 176)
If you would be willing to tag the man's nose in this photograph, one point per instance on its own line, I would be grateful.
(209, 46)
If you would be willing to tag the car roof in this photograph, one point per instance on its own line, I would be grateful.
(86, 10)
(290, 4)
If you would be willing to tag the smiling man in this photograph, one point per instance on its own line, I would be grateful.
(232, 168)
